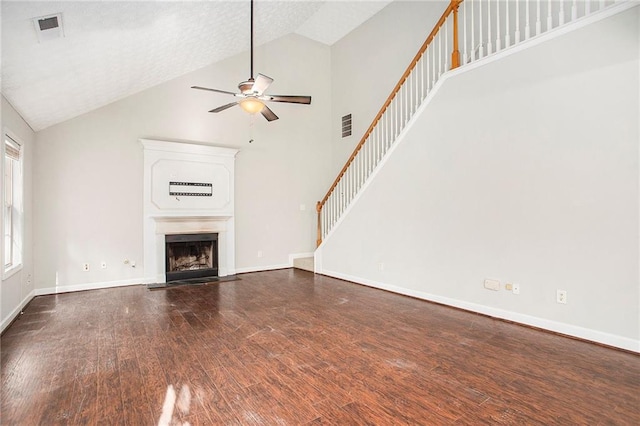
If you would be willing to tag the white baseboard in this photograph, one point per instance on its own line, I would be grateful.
(89, 286)
(273, 267)
(549, 325)
(16, 311)
(261, 268)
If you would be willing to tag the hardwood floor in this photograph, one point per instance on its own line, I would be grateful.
(290, 348)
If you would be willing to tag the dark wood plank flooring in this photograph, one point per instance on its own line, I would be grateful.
(290, 348)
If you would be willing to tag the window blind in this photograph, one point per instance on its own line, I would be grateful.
(11, 148)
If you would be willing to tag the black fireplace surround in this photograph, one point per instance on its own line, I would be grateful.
(190, 256)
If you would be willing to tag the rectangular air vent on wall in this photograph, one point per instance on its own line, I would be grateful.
(346, 125)
(48, 27)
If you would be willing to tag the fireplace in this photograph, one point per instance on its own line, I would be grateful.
(166, 213)
(190, 256)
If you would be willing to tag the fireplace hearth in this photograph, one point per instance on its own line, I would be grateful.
(190, 256)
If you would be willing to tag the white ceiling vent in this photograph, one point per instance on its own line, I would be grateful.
(48, 27)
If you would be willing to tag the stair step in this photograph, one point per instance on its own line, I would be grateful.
(304, 263)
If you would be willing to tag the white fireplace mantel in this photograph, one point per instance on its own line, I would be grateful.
(166, 213)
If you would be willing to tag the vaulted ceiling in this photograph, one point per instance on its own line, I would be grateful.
(112, 49)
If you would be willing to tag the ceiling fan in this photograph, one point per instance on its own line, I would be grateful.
(252, 96)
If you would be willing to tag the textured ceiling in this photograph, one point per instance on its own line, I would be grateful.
(112, 49)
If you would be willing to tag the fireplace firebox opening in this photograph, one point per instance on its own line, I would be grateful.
(190, 256)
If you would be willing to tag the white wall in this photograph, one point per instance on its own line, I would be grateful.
(368, 62)
(526, 171)
(89, 170)
(18, 289)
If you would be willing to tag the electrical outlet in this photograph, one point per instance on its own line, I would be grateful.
(85, 267)
(516, 288)
(103, 264)
(561, 296)
(492, 285)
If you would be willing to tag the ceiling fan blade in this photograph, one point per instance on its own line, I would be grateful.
(289, 99)
(261, 84)
(268, 114)
(213, 90)
(223, 107)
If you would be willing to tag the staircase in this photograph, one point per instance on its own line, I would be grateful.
(468, 32)
(304, 263)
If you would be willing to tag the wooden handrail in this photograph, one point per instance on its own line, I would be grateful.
(455, 55)
(453, 7)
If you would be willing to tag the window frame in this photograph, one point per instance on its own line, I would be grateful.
(16, 205)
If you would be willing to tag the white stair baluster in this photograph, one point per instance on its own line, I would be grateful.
(425, 75)
(351, 173)
(383, 135)
(347, 184)
(333, 207)
(464, 36)
(407, 99)
(419, 79)
(489, 42)
(409, 93)
(368, 150)
(392, 128)
(356, 175)
(396, 130)
(507, 35)
(361, 167)
(427, 65)
(370, 145)
(561, 14)
(372, 148)
(433, 63)
(473, 34)
(498, 36)
(439, 54)
(517, 33)
(481, 55)
(402, 103)
(601, 5)
(538, 22)
(447, 65)
(337, 200)
(417, 91)
(574, 10)
(427, 69)
(527, 26)
(399, 103)
(550, 17)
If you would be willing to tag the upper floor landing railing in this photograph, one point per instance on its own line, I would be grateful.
(466, 32)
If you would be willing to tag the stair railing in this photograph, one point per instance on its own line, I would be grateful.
(488, 27)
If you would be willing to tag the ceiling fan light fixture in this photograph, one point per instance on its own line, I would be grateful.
(251, 105)
(252, 92)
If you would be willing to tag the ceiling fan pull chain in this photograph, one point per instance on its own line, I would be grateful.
(252, 121)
